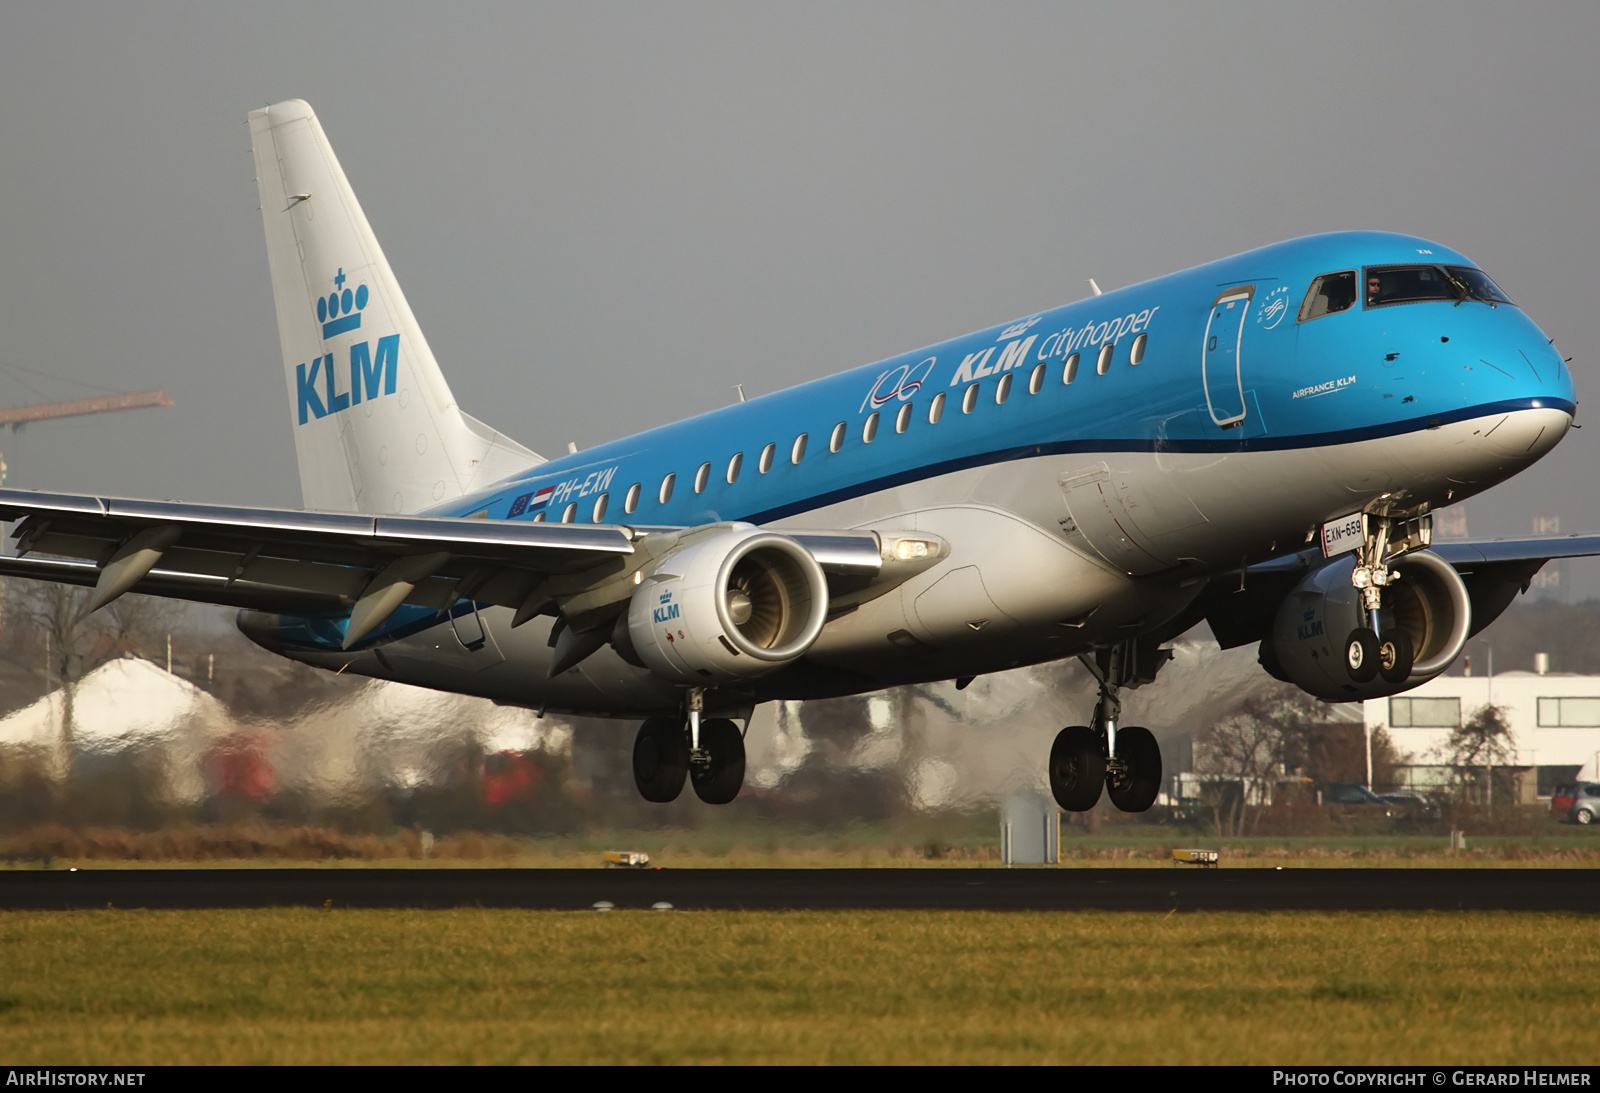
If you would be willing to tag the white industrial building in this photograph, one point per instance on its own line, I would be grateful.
(1554, 720)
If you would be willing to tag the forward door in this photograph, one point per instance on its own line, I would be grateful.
(1219, 358)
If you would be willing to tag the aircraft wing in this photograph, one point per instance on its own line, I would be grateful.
(1495, 571)
(289, 561)
(1466, 553)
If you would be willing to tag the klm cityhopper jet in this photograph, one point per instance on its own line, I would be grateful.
(1256, 443)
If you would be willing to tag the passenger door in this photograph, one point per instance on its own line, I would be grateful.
(1219, 356)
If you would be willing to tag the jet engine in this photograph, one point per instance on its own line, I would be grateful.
(1307, 643)
(737, 605)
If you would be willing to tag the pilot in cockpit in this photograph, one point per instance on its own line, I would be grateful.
(1374, 289)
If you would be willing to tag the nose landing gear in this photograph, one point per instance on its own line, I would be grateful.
(708, 752)
(1126, 761)
(1373, 650)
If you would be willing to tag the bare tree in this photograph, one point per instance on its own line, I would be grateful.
(72, 643)
(1483, 742)
(1263, 738)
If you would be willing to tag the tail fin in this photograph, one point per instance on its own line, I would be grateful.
(376, 428)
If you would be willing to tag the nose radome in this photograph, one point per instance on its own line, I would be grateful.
(1528, 434)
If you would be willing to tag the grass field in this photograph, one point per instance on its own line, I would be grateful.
(475, 986)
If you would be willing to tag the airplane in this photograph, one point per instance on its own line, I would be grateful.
(1257, 443)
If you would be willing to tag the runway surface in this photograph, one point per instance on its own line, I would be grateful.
(1045, 889)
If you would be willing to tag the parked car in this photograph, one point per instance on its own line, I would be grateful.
(1350, 795)
(1408, 799)
(1393, 804)
(1576, 801)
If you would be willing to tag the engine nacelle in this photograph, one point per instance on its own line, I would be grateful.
(737, 605)
(1306, 646)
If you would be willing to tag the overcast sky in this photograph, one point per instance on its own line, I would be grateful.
(605, 215)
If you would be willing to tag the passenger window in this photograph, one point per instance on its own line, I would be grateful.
(870, 429)
(969, 399)
(1102, 363)
(600, 507)
(936, 409)
(1036, 380)
(766, 458)
(798, 452)
(538, 517)
(902, 420)
(1003, 392)
(1069, 371)
(836, 441)
(666, 487)
(701, 477)
(631, 502)
(1136, 354)
(1329, 294)
(733, 467)
(570, 514)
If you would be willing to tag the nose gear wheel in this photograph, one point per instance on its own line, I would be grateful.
(1395, 657)
(1361, 655)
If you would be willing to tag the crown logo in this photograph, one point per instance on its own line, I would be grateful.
(340, 310)
(1016, 330)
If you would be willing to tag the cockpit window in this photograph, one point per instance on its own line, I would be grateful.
(1330, 293)
(1477, 284)
(1411, 284)
(1408, 285)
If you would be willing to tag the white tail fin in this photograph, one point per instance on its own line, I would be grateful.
(376, 428)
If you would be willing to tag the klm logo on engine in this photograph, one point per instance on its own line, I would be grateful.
(667, 611)
(372, 371)
(1310, 627)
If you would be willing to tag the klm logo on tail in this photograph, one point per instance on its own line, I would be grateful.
(371, 373)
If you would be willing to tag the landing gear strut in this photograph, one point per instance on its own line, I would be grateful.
(1125, 760)
(1374, 650)
(707, 751)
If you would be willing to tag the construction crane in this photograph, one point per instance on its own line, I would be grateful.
(43, 411)
(18, 416)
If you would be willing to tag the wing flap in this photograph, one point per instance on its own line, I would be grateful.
(292, 562)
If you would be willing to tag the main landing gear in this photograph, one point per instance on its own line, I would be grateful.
(1125, 761)
(1373, 650)
(708, 751)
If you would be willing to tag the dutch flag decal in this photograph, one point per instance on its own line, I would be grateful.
(530, 502)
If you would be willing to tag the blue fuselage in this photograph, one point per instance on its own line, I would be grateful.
(1362, 373)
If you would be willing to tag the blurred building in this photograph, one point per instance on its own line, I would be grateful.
(1554, 721)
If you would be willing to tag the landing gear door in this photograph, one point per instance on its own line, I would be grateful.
(1219, 356)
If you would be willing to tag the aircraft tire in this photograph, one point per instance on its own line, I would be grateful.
(1395, 657)
(1361, 655)
(660, 759)
(1135, 789)
(1077, 768)
(719, 782)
